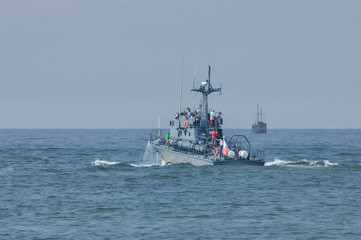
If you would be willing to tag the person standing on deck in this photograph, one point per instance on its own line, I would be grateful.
(221, 147)
(212, 118)
(188, 113)
(193, 118)
(214, 136)
(167, 138)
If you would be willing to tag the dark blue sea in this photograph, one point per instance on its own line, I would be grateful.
(108, 184)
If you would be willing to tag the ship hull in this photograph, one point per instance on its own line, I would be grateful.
(239, 162)
(174, 157)
(259, 130)
(259, 127)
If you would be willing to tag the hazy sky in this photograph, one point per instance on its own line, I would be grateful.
(118, 64)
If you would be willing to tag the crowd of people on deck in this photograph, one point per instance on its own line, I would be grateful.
(194, 116)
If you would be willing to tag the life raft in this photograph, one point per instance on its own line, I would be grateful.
(216, 151)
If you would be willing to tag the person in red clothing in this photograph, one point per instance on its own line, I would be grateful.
(214, 136)
(212, 116)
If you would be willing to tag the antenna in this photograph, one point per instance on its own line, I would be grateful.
(194, 76)
(209, 73)
(159, 131)
(181, 87)
(220, 87)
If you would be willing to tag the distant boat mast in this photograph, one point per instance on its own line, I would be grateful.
(259, 113)
(259, 126)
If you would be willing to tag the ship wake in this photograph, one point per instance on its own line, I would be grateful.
(300, 163)
(99, 162)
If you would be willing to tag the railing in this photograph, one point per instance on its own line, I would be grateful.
(157, 137)
(240, 142)
(195, 121)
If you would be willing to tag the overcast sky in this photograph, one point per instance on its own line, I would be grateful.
(118, 64)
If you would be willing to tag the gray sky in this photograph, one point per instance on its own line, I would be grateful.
(118, 64)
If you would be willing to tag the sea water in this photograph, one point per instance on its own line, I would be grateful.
(110, 184)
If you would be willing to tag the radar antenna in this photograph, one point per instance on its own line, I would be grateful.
(206, 89)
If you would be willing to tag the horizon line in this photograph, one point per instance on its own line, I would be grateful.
(268, 129)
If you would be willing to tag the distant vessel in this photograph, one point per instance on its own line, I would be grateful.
(196, 137)
(259, 126)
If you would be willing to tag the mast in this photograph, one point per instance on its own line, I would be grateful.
(206, 89)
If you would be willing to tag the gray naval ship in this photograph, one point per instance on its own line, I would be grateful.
(196, 137)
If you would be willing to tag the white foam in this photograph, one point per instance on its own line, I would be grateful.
(300, 163)
(323, 163)
(328, 163)
(146, 164)
(99, 162)
(277, 162)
